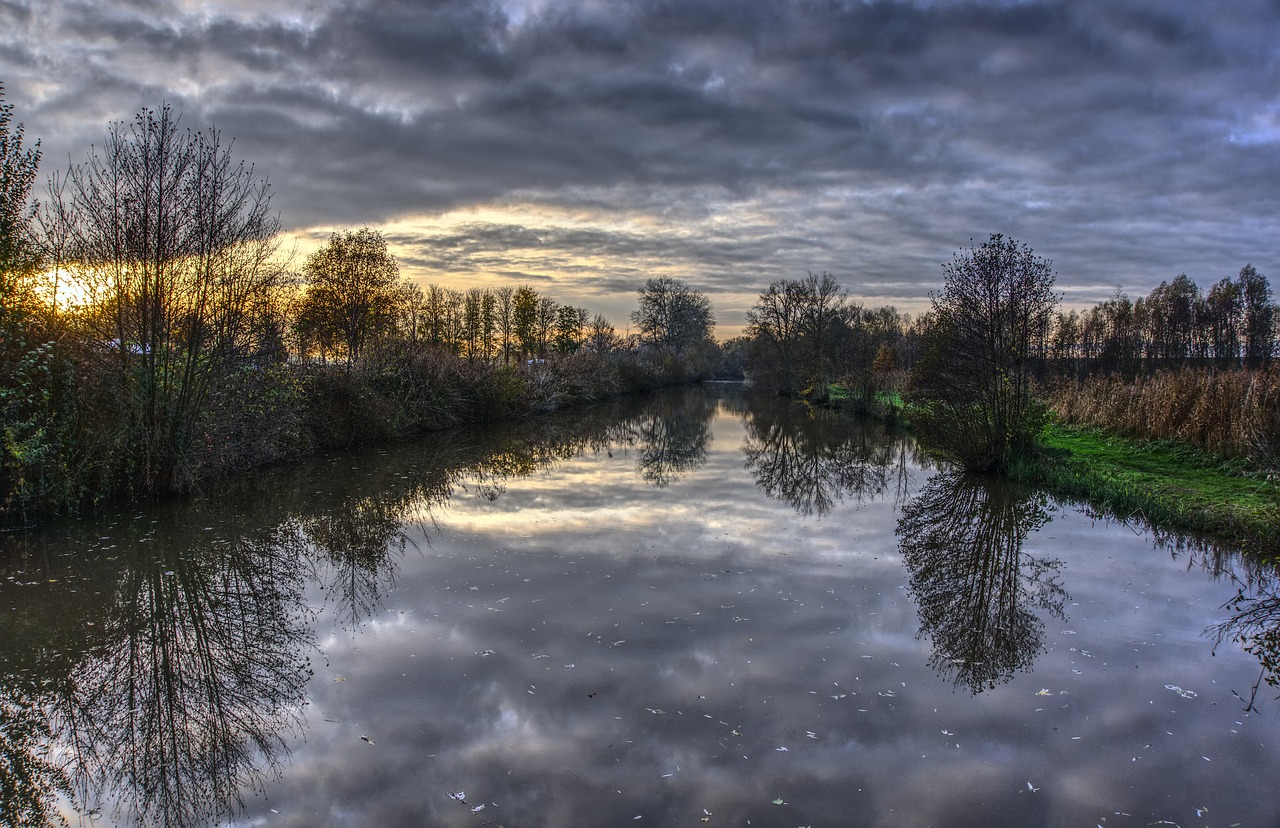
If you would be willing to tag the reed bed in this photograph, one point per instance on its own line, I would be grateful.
(1231, 413)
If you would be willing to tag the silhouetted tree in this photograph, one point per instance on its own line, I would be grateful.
(775, 329)
(1259, 316)
(177, 244)
(672, 315)
(972, 386)
(1223, 317)
(1171, 319)
(601, 335)
(353, 290)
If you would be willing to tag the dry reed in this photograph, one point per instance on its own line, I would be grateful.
(1233, 413)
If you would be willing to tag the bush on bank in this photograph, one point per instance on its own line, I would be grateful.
(281, 412)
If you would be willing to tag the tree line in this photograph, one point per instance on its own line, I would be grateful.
(195, 349)
(354, 299)
(1234, 323)
(978, 368)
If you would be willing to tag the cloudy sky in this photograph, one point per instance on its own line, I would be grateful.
(581, 147)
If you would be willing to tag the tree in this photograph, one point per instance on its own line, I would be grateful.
(601, 336)
(825, 314)
(1171, 319)
(673, 315)
(19, 256)
(774, 328)
(503, 320)
(353, 289)
(568, 328)
(479, 323)
(1259, 316)
(25, 362)
(524, 320)
(177, 243)
(1223, 312)
(972, 386)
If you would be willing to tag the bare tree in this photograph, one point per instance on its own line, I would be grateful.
(973, 385)
(673, 315)
(1259, 316)
(178, 244)
(601, 336)
(503, 320)
(774, 326)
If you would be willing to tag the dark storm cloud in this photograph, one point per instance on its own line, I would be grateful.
(1127, 141)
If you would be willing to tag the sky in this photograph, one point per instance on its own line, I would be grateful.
(583, 147)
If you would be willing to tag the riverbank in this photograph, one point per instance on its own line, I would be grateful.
(1167, 484)
(283, 413)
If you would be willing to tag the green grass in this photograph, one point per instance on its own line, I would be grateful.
(886, 405)
(1168, 484)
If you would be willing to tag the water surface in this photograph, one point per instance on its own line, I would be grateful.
(688, 609)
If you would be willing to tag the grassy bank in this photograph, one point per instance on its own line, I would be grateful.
(1167, 484)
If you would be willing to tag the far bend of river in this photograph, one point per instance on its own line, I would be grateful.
(687, 609)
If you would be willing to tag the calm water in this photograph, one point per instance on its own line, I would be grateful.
(689, 609)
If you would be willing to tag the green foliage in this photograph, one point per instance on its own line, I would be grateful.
(28, 447)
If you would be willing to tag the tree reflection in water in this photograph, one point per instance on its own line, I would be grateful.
(1254, 625)
(187, 681)
(672, 436)
(961, 540)
(813, 458)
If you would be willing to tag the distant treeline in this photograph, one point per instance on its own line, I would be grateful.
(984, 368)
(1233, 324)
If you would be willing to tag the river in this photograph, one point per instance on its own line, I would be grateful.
(691, 608)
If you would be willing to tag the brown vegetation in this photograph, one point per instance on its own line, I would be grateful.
(1235, 413)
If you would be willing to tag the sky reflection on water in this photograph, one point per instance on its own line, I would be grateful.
(682, 610)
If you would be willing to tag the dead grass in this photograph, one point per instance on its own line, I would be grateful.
(1230, 413)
